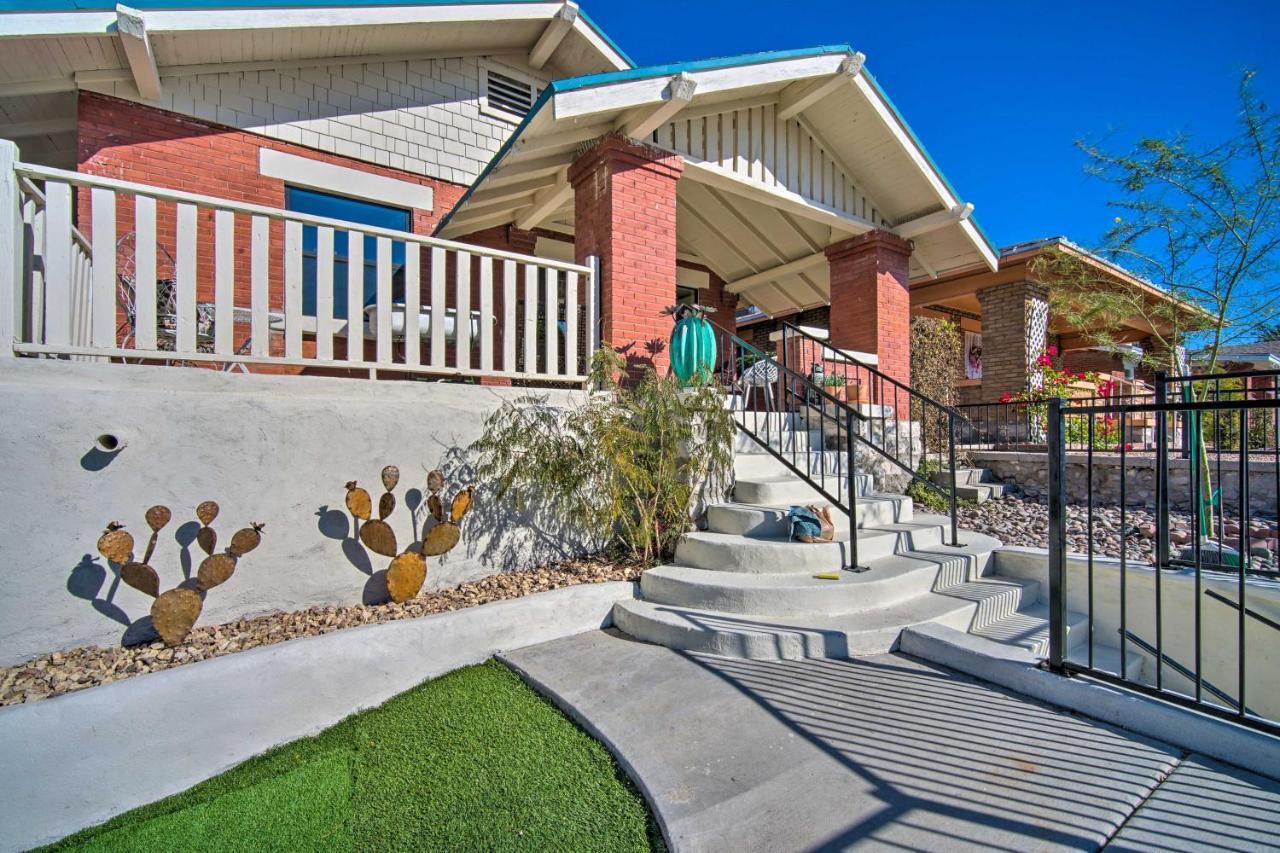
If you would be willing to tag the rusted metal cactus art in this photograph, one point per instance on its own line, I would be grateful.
(174, 612)
(408, 569)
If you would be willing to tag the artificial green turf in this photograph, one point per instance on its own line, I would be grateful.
(473, 760)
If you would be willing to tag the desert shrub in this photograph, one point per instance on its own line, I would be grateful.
(627, 463)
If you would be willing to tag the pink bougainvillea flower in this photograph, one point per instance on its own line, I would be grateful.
(1006, 397)
(1053, 350)
(1043, 360)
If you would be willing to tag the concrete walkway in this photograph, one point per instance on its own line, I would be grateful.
(883, 752)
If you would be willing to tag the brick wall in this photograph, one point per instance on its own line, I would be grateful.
(123, 140)
(421, 116)
(1090, 360)
(870, 299)
(757, 333)
(625, 212)
(1015, 319)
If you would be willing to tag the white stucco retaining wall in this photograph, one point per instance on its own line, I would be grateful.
(77, 760)
(276, 449)
(1219, 622)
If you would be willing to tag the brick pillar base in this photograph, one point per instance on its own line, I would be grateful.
(871, 300)
(625, 213)
(1015, 331)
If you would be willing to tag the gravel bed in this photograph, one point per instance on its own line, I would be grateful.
(89, 666)
(1018, 520)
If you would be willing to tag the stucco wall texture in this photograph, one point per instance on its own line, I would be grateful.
(274, 449)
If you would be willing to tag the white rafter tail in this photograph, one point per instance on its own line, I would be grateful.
(640, 123)
(545, 203)
(798, 97)
(918, 257)
(934, 221)
(559, 26)
(137, 50)
(795, 267)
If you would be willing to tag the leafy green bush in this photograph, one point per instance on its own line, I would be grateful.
(627, 463)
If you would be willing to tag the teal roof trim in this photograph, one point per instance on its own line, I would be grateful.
(571, 84)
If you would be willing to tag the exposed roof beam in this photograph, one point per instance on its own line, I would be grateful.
(559, 26)
(798, 97)
(39, 87)
(560, 140)
(789, 268)
(461, 225)
(919, 258)
(37, 128)
(545, 203)
(777, 197)
(132, 30)
(934, 221)
(643, 121)
(490, 195)
(522, 170)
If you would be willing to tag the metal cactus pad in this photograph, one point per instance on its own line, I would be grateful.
(408, 569)
(175, 611)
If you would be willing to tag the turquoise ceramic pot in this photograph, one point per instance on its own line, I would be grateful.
(693, 349)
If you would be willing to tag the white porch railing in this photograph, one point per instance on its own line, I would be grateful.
(179, 277)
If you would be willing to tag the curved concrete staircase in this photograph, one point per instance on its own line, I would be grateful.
(742, 589)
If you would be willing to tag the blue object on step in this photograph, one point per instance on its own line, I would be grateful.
(804, 522)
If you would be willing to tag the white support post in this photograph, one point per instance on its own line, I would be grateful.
(412, 305)
(224, 281)
(324, 293)
(185, 262)
(593, 309)
(11, 248)
(293, 289)
(57, 263)
(103, 299)
(382, 270)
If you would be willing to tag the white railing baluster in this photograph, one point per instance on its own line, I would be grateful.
(571, 324)
(57, 264)
(551, 323)
(412, 305)
(324, 293)
(144, 273)
(438, 307)
(185, 262)
(486, 314)
(509, 316)
(355, 296)
(462, 319)
(293, 289)
(259, 296)
(103, 203)
(383, 295)
(33, 268)
(530, 318)
(224, 282)
(593, 311)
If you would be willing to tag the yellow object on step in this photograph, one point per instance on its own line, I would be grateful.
(828, 576)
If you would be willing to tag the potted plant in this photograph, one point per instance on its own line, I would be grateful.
(834, 384)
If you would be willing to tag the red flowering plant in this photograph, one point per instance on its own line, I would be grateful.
(1047, 382)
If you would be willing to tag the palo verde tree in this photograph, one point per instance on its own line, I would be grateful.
(1200, 220)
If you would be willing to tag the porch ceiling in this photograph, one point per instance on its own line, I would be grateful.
(785, 154)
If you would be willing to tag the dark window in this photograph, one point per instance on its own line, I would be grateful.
(686, 295)
(349, 210)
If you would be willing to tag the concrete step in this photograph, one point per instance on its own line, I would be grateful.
(813, 462)
(982, 492)
(972, 484)
(789, 489)
(874, 631)
(779, 440)
(888, 581)
(964, 476)
(1029, 629)
(771, 521)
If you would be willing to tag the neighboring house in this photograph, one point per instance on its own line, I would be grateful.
(1260, 356)
(785, 179)
(1006, 323)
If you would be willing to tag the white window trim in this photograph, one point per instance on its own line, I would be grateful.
(339, 180)
(506, 71)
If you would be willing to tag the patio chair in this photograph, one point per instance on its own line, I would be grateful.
(763, 375)
(166, 306)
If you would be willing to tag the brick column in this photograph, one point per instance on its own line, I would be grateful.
(1015, 331)
(625, 213)
(870, 299)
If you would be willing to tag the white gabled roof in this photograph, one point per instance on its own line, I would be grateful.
(785, 153)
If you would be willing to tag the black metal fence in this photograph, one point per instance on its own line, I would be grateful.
(1200, 624)
(1023, 425)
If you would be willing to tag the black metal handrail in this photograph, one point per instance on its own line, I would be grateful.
(937, 421)
(765, 386)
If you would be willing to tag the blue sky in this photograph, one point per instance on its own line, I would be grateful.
(998, 92)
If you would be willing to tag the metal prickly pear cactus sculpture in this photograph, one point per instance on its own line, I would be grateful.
(407, 571)
(175, 611)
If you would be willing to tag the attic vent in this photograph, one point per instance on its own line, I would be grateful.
(507, 96)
